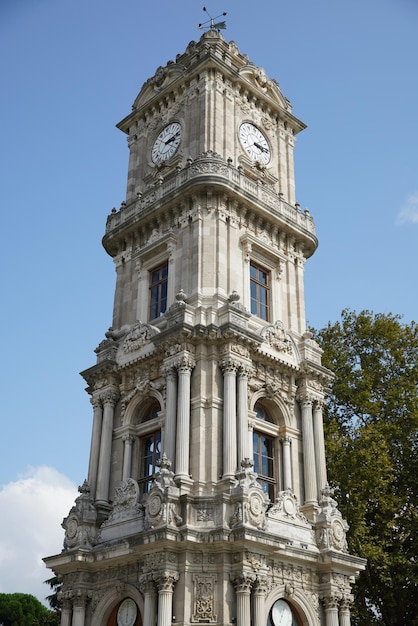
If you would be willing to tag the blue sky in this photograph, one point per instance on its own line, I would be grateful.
(69, 71)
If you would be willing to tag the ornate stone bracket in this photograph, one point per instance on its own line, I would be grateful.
(80, 524)
(331, 528)
(162, 502)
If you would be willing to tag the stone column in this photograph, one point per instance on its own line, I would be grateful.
(287, 469)
(229, 368)
(95, 444)
(259, 594)
(170, 415)
(345, 605)
(149, 592)
(66, 612)
(127, 456)
(309, 466)
(109, 401)
(242, 415)
(318, 431)
(165, 581)
(184, 367)
(331, 610)
(243, 583)
(79, 609)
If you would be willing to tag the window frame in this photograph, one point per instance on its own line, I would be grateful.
(149, 426)
(260, 288)
(269, 429)
(159, 284)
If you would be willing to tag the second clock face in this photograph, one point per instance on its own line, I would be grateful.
(127, 613)
(254, 143)
(166, 143)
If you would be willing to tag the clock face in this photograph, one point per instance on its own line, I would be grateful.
(127, 613)
(254, 143)
(281, 614)
(166, 143)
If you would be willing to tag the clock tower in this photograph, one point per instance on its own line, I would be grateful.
(207, 499)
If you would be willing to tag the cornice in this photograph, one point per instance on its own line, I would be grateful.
(209, 172)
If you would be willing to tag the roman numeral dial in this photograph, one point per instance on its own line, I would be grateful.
(254, 143)
(166, 143)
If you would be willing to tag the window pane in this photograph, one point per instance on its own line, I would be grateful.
(259, 291)
(158, 290)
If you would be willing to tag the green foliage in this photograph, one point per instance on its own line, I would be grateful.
(53, 599)
(21, 609)
(371, 430)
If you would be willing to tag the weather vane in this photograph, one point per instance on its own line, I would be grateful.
(211, 24)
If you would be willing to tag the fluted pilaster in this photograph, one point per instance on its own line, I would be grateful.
(79, 609)
(184, 368)
(95, 444)
(309, 465)
(287, 468)
(127, 456)
(170, 419)
(242, 414)
(318, 431)
(109, 400)
(243, 583)
(331, 610)
(149, 591)
(229, 368)
(165, 582)
(259, 594)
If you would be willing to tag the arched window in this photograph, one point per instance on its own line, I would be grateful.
(149, 447)
(264, 451)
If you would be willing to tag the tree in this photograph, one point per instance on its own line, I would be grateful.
(22, 609)
(371, 431)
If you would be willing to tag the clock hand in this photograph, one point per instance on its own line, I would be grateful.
(173, 138)
(262, 148)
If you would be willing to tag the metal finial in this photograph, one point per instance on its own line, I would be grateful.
(211, 24)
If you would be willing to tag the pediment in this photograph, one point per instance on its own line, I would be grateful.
(162, 79)
(259, 81)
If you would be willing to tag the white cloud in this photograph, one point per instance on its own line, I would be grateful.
(32, 509)
(409, 210)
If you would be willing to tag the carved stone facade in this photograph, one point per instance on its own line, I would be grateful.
(207, 499)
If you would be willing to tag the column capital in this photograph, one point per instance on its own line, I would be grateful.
(261, 585)
(229, 365)
(80, 598)
(244, 371)
(128, 438)
(110, 397)
(165, 580)
(185, 364)
(285, 439)
(243, 581)
(331, 600)
(96, 402)
(146, 583)
(169, 371)
(305, 399)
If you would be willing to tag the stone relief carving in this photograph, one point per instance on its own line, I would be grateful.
(125, 501)
(276, 337)
(331, 528)
(287, 506)
(204, 598)
(80, 525)
(161, 504)
(138, 336)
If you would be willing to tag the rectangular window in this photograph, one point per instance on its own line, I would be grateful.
(150, 454)
(158, 291)
(263, 447)
(260, 291)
